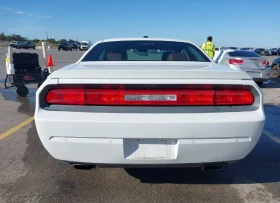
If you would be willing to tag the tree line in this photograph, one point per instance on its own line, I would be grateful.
(15, 37)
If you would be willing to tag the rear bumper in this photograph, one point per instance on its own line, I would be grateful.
(149, 139)
(259, 75)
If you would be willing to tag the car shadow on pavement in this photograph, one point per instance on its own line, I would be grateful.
(272, 83)
(251, 170)
(262, 165)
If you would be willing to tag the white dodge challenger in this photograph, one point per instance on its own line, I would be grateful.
(148, 102)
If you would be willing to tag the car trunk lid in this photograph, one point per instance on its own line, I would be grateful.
(148, 70)
(254, 63)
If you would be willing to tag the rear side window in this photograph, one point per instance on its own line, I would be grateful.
(219, 56)
(243, 54)
(145, 51)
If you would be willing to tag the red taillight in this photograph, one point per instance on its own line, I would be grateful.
(66, 96)
(233, 97)
(236, 61)
(122, 97)
(265, 63)
(150, 97)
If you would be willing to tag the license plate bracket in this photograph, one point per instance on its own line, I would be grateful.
(144, 149)
(254, 74)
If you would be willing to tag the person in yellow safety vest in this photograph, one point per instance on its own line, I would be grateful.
(7, 60)
(209, 47)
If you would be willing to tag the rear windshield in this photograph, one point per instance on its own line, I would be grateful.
(84, 43)
(145, 51)
(243, 54)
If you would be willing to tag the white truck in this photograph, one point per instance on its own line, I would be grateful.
(85, 45)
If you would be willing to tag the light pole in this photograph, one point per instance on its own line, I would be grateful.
(47, 36)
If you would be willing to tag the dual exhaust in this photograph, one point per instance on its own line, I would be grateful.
(84, 167)
(213, 167)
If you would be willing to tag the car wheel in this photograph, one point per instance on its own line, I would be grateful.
(33, 47)
(259, 83)
(275, 71)
(58, 49)
(22, 91)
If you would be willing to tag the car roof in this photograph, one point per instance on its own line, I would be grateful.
(143, 39)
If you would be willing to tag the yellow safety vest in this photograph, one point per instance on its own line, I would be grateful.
(209, 49)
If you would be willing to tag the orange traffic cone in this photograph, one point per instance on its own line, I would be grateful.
(50, 64)
(50, 61)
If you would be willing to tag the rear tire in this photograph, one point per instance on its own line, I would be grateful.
(275, 71)
(22, 91)
(259, 83)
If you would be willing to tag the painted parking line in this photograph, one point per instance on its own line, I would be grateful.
(15, 128)
(271, 136)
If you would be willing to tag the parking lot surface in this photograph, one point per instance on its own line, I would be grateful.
(29, 174)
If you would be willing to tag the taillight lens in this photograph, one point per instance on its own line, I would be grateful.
(122, 97)
(66, 96)
(233, 97)
(236, 61)
(265, 63)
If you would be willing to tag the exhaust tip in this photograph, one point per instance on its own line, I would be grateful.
(84, 167)
(213, 167)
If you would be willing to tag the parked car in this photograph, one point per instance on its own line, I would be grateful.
(71, 45)
(275, 68)
(74, 45)
(259, 51)
(64, 46)
(78, 44)
(121, 108)
(229, 48)
(85, 45)
(247, 49)
(28, 45)
(276, 52)
(267, 52)
(16, 44)
(273, 51)
(252, 63)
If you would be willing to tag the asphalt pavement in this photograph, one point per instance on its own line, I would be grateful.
(29, 174)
